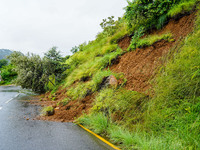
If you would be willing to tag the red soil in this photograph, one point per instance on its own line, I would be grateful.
(67, 113)
(140, 66)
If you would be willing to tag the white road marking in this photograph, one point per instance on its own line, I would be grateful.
(12, 99)
(1, 108)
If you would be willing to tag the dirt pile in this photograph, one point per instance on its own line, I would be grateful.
(140, 66)
(64, 113)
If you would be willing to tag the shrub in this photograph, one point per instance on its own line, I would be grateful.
(48, 111)
(8, 74)
(146, 13)
(182, 8)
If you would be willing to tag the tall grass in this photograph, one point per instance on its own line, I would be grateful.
(181, 8)
(169, 119)
(150, 40)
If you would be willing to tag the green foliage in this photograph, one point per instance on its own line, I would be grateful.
(91, 66)
(146, 13)
(8, 74)
(149, 40)
(81, 47)
(176, 108)
(126, 139)
(136, 38)
(74, 49)
(119, 34)
(167, 120)
(53, 54)
(97, 122)
(81, 89)
(182, 8)
(109, 26)
(128, 105)
(170, 118)
(51, 84)
(63, 102)
(35, 73)
(3, 62)
(54, 66)
(48, 110)
(30, 71)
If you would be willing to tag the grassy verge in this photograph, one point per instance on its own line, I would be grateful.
(169, 119)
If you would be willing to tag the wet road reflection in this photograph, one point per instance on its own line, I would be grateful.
(19, 130)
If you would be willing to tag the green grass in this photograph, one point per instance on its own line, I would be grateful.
(176, 108)
(125, 139)
(128, 106)
(81, 89)
(169, 119)
(46, 110)
(150, 40)
(97, 122)
(181, 8)
(94, 64)
(121, 33)
(63, 102)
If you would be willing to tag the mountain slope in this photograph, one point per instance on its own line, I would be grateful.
(155, 104)
(4, 53)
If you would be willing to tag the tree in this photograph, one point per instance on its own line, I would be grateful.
(54, 64)
(30, 70)
(3, 62)
(74, 49)
(53, 54)
(8, 74)
(35, 72)
(109, 25)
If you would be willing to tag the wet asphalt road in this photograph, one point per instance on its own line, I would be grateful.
(18, 133)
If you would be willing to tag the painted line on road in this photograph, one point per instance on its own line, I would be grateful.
(12, 98)
(99, 137)
(1, 108)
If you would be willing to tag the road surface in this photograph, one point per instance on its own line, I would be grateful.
(18, 130)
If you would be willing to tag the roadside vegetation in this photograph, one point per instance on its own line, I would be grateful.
(7, 72)
(169, 117)
(36, 73)
(166, 117)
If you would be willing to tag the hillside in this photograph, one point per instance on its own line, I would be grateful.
(4, 53)
(137, 83)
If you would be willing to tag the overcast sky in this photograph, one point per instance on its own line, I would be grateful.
(37, 25)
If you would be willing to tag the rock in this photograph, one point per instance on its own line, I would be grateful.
(112, 81)
(57, 108)
(109, 81)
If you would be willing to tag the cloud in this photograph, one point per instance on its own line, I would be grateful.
(37, 25)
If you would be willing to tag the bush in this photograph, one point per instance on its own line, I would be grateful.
(8, 74)
(48, 111)
(182, 8)
(147, 13)
(3, 62)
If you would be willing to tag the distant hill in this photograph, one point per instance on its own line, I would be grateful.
(4, 53)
